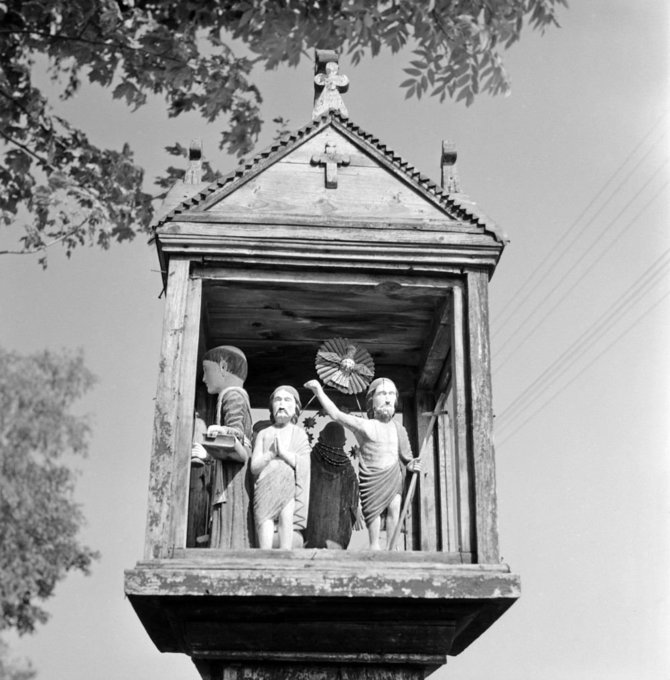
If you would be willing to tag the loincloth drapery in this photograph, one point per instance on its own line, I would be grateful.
(273, 490)
(378, 488)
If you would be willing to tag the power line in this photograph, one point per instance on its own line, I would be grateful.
(624, 164)
(581, 373)
(572, 268)
(647, 280)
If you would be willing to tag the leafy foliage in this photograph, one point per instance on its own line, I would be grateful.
(11, 669)
(181, 50)
(38, 519)
(173, 174)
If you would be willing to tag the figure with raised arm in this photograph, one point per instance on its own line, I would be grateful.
(224, 373)
(384, 449)
(280, 465)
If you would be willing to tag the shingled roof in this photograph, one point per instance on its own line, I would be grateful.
(457, 206)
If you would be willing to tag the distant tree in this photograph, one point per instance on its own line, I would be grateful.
(39, 520)
(11, 669)
(74, 192)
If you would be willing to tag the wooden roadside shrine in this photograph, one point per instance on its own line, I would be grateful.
(328, 233)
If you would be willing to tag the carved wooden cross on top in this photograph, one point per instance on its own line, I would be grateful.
(331, 159)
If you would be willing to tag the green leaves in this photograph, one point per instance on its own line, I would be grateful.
(78, 194)
(39, 520)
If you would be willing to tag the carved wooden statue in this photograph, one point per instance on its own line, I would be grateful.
(280, 465)
(228, 441)
(384, 448)
(330, 99)
(333, 493)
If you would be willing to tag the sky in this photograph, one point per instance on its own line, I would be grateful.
(573, 167)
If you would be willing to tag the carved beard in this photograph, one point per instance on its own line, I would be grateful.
(282, 416)
(384, 413)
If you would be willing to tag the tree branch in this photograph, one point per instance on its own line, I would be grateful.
(29, 151)
(44, 246)
(94, 43)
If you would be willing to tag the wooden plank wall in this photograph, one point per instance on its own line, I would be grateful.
(427, 480)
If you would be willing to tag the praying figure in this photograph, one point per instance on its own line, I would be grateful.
(280, 465)
(384, 450)
(224, 373)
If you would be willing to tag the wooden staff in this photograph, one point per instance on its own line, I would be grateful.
(412, 485)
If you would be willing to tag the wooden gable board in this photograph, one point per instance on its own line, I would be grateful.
(295, 186)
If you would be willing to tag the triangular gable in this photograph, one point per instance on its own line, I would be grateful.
(375, 184)
(296, 185)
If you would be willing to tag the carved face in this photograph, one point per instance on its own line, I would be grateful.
(384, 401)
(283, 407)
(215, 376)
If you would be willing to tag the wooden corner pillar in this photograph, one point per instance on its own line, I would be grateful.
(481, 418)
(173, 419)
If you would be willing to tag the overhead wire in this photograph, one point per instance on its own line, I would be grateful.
(581, 373)
(582, 345)
(542, 302)
(587, 339)
(519, 302)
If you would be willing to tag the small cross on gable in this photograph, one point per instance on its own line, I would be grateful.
(331, 159)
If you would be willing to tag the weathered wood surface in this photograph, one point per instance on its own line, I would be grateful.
(195, 219)
(293, 185)
(349, 281)
(486, 513)
(188, 558)
(316, 604)
(300, 190)
(317, 137)
(168, 476)
(378, 667)
(279, 322)
(185, 398)
(313, 247)
(320, 573)
(448, 488)
(436, 346)
(463, 457)
(426, 480)
(207, 227)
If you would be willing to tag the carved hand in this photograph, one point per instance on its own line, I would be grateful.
(313, 385)
(213, 430)
(414, 465)
(199, 451)
(287, 456)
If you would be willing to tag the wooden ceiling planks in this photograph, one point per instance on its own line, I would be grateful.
(282, 325)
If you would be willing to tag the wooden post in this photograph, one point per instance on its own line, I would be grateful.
(173, 420)
(460, 425)
(481, 430)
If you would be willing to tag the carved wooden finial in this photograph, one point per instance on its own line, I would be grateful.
(194, 173)
(450, 182)
(328, 85)
(331, 159)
